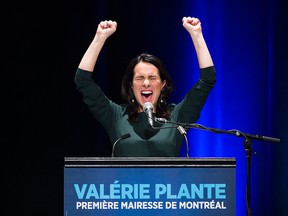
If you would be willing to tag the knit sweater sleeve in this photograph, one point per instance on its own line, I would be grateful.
(103, 110)
(189, 109)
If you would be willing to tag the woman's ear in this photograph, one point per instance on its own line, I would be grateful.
(163, 84)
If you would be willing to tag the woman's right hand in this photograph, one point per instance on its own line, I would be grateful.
(106, 28)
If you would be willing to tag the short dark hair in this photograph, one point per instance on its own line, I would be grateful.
(127, 92)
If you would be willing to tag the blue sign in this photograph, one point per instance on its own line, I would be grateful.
(149, 191)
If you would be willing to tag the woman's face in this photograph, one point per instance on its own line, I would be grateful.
(147, 84)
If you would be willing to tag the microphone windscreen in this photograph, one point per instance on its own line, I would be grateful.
(147, 106)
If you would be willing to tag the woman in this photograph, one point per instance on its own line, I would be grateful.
(146, 80)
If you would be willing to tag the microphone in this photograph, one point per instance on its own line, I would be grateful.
(125, 136)
(148, 109)
(183, 132)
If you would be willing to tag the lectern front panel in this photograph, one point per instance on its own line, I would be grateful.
(149, 187)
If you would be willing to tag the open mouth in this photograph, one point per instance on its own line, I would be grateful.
(146, 95)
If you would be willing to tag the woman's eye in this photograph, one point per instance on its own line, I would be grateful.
(153, 78)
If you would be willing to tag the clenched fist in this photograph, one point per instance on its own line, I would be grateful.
(106, 28)
(192, 25)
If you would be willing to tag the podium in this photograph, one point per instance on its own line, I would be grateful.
(148, 186)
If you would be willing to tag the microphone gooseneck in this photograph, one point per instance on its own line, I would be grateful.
(183, 132)
(148, 109)
(125, 136)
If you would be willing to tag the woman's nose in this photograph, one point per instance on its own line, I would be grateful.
(146, 82)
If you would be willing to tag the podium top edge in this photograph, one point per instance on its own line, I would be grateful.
(149, 158)
(148, 161)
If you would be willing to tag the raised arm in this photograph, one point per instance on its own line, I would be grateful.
(193, 26)
(104, 30)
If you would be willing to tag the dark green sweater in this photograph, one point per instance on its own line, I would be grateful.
(144, 141)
